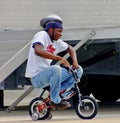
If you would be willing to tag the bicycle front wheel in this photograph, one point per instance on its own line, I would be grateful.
(87, 109)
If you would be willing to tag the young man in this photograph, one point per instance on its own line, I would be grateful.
(44, 48)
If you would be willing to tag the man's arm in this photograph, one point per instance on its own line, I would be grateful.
(73, 56)
(39, 51)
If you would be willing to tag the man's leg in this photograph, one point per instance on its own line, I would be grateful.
(68, 79)
(50, 76)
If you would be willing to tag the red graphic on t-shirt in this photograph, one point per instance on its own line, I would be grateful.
(51, 49)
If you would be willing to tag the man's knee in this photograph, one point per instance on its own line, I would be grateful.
(80, 71)
(56, 69)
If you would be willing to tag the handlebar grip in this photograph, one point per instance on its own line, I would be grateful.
(67, 68)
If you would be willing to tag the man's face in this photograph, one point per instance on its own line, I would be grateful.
(57, 33)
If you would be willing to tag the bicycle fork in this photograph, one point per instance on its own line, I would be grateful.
(76, 86)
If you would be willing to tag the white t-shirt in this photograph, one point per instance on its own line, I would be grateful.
(36, 63)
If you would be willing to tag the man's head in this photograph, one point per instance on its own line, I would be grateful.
(53, 25)
(54, 30)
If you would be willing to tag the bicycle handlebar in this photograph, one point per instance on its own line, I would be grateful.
(73, 71)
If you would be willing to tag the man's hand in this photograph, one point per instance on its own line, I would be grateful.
(64, 62)
(75, 65)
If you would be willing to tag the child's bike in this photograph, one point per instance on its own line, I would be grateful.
(86, 107)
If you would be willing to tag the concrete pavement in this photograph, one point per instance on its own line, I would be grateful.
(20, 115)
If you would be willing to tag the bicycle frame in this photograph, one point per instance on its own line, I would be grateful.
(74, 72)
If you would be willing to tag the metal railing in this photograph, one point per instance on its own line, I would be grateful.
(14, 62)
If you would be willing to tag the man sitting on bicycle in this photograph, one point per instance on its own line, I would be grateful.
(44, 48)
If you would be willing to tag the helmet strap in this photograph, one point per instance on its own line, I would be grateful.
(53, 34)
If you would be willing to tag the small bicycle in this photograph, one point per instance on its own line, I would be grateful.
(86, 107)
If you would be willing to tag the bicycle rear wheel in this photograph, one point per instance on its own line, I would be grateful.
(38, 109)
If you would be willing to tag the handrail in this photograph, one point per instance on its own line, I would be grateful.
(14, 62)
(83, 41)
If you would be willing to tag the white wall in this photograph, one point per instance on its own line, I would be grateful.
(26, 14)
